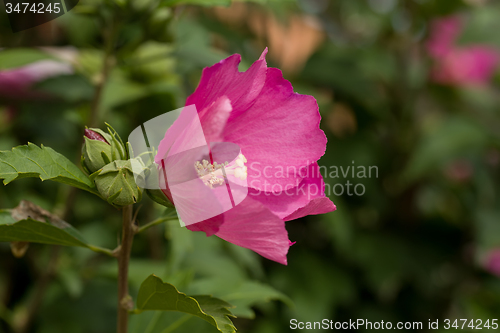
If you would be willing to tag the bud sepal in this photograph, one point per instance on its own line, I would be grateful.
(116, 184)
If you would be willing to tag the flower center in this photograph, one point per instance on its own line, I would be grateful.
(213, 175)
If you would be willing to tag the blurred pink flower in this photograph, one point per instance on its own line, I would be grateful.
(16, 83)
(472, 65)
(492, 263)
(276, 131)
(444, 33)
(459, 65)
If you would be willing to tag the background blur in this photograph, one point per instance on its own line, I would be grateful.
(409, 87)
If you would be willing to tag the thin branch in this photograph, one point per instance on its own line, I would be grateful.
(157, 222)
(125, 302)
(108, 252)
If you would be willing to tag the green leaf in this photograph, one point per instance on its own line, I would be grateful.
(218, 310)
(6, 217)
(154, 294)
(30, 223)
(13, 58)
(43, 162)
(30, 230)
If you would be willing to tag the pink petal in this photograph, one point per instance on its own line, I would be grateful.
(224, 79)
(279, 132)
(307, 198)
(313, 207)
(250, 225)
(209, 226)
(194, 200)
(215, 117)
(185, 133)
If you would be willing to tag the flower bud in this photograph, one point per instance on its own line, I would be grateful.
(94, 136)
(96, 153)
(116, 183)
(101, 148)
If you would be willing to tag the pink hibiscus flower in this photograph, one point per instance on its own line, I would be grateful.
(261, 141)
(454, 65)
(444, 33)
(465, 66)
(16, 83)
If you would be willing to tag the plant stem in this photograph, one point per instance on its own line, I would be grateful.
(156, 222)
(124, 299)
(98, 249)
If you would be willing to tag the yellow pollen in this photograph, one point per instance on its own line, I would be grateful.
(212, 174)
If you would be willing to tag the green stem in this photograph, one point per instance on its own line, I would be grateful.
(124, 300)
(156, 222)
(102, 250)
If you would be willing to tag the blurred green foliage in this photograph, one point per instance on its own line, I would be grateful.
(411, 248)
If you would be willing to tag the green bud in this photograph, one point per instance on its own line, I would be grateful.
(116, 183)
(101, 148)
(95, 155)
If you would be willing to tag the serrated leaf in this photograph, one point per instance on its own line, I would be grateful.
(217, 309)
(154, 294)
(43, 162)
